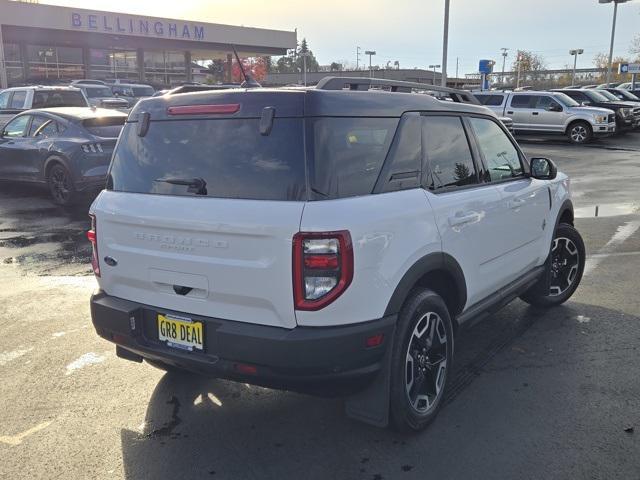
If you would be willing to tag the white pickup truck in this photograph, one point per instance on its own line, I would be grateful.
(550, 113)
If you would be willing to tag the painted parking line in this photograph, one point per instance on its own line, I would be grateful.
(14, 440)
(622, 234)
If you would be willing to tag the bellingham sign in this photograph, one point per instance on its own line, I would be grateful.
(136, 26)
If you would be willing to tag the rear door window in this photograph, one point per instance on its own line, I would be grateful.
(4, 100)
(230, 155)
(490, 100)
(17, 101)
(448, 153)
(523, 101)
(346, 154)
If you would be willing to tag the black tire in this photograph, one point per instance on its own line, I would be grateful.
(413, 405)
(580, 132)
(564, 276)
(60, 184)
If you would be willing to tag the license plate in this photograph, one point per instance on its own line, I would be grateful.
(180, 332)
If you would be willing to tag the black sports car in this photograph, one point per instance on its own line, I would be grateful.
(67, 148)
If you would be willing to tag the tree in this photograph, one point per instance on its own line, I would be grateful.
(530, 65)
(312, 63)
(601, 60)
(256, 66)
(335, 67)
(216, 69)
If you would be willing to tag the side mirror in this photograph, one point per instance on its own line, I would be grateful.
(585, 103)
(543, 169)
(554, 107)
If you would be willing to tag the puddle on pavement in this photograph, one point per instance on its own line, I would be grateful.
(607, 210)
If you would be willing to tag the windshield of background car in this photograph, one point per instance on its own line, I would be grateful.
(230, 155)
(609, 96)
(58, 98)
(596, 96)
(143, 91)
(566, 100)
(627, 95)
(99, 92)
(345, 155)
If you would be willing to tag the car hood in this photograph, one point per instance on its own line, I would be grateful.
(593, 110)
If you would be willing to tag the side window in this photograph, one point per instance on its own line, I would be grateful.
(48, 129)
(523, 101)
(18, 99)
(4, 100)
(17, 126)
(448, 153)
(36, 123)
(401, 170)
(548, 103)
(493, 100)
(500, 154)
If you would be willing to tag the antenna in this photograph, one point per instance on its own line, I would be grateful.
(249, 81)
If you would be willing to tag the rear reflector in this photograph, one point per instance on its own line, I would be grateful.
(246, 369)
(92, 236)
(203, 109)
(374, 340)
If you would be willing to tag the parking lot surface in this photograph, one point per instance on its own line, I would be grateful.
(535, 394)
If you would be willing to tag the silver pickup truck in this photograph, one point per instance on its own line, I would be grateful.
(18, 99)
(550, 113)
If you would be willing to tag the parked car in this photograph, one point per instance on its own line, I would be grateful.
(622, 94)
(132, 92)
(101, 96)
(323, 238)
(88, 81)
(550, 113)
(630, 87)
(19, 99)
(627, 114)
(67, 149)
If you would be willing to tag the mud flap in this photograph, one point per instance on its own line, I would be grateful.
(372, 404)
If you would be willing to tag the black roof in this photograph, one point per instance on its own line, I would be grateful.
(298, 102)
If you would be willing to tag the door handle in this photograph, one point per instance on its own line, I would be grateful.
(509, 113)
(468, 217)
(535, 113)
(516, 203)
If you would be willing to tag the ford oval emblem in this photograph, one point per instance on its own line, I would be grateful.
(112, 262)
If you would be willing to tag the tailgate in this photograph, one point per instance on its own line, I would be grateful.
(232, 257)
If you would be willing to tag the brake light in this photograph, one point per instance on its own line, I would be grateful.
(322, 268)
(203, 109)
(92, 236)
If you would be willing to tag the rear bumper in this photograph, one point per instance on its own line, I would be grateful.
(323, 361)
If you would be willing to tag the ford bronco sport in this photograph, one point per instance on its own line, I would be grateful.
(327, 240)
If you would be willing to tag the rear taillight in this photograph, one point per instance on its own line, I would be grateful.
(322, 268)
(204, 109)
(92, 236)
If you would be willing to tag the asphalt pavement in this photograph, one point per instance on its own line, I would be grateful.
(535, 394)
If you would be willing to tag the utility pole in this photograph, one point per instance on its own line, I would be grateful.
(519, 62)
(357, 58)
(575, 53)
(613, 33)
(457, 62)
(304, 56)
(445, 43)
(370, 53)
(434, 73)
(504, 59)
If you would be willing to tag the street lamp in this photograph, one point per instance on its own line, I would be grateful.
(504, 59)
(434, 72)
(304, 56)
(370, 53)
(575, 53)
(445, 43)
(613, 33)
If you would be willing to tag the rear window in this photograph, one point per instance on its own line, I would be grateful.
(143, 91)
(108, 127)
(98, 92)
(58, 98)
(346, 154)
(230, 155)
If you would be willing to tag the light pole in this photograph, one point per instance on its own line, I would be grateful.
(357, 58)
(304, 56)
(613, 33)
(504, 59)
(519, 58)
(434, 72)
(445, 44)
(575, 53)
(370, 53)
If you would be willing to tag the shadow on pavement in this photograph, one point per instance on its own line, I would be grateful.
(205, 428)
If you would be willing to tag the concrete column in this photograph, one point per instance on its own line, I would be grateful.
(229, 67)
(86, 61)
(3, 66)
(140, 62)
(187, 65)
(25, 61)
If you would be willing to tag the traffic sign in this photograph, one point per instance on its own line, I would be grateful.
(629, 68)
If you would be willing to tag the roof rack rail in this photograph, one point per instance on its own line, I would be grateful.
(364, 84)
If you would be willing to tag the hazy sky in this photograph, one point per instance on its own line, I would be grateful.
(410, 31)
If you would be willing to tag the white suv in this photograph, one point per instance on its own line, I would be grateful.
(330, 240)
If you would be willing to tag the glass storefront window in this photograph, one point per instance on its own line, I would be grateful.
(13, 64)
(54, 63)
(107, 64)
(164, 68)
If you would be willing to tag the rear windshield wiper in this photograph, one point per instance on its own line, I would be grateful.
(196, 185)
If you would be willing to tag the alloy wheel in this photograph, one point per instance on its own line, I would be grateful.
(426, 362)
(60, 182)
(579, 134)
(565, 260)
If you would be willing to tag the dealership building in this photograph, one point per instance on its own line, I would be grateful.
(48, 44)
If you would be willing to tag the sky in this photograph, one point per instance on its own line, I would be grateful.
(410, 31)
